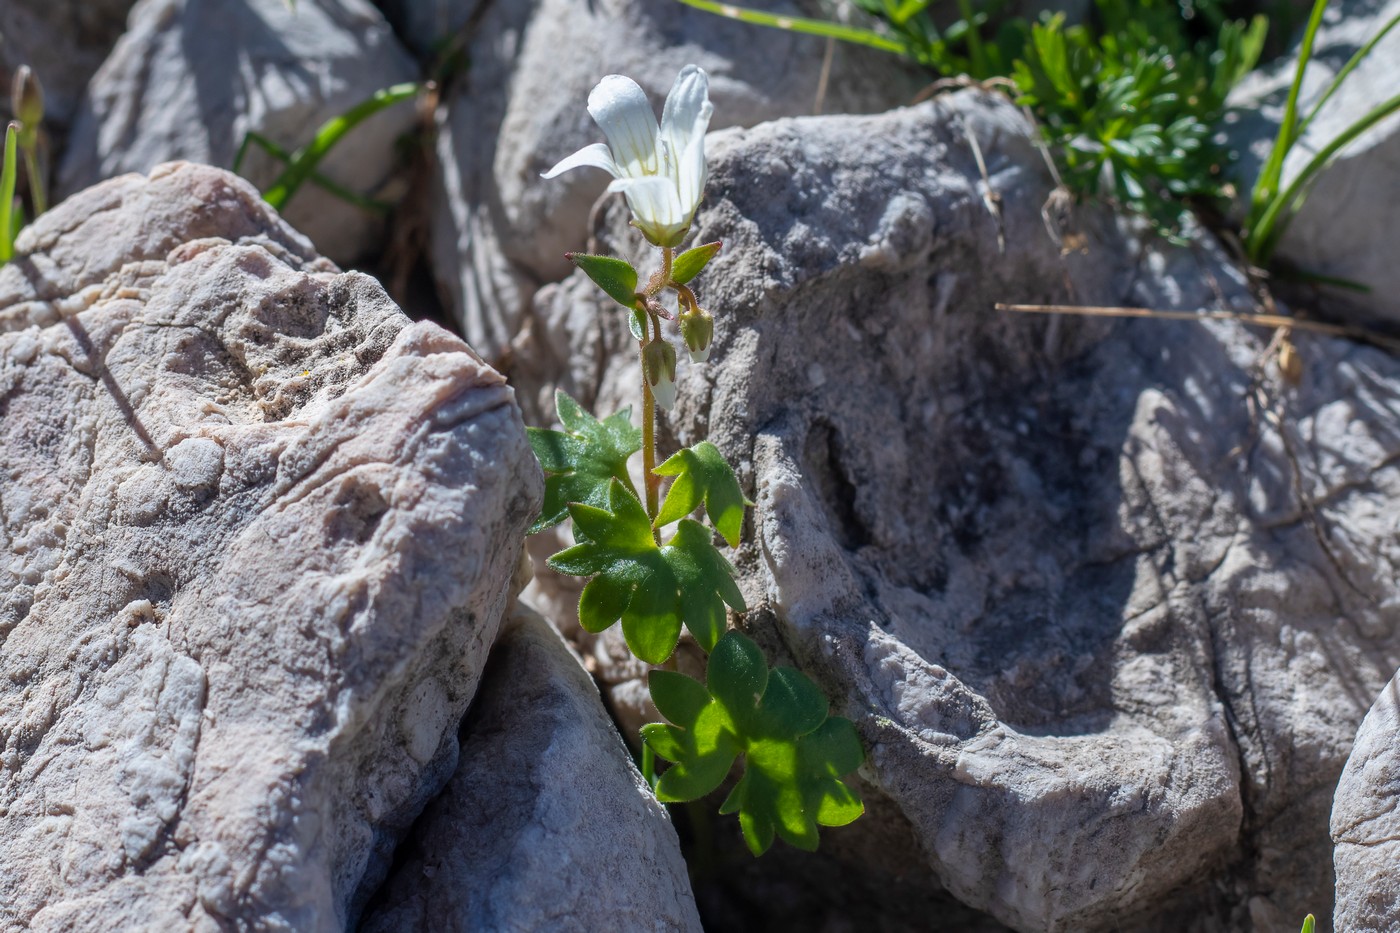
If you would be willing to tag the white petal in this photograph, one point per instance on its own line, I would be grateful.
(595, 156)
(690, 175)
(665, 394)
(687, 111)
(623, 112)
(656, 207)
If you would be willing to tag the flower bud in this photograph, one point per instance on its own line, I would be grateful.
(27, 98)
(659, 367)
(698, 329)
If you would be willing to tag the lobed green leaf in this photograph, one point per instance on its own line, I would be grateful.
(794, 754)
(581, 462)
(653, 589)
(702, 474)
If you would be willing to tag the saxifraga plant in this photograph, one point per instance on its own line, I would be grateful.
(656, 580)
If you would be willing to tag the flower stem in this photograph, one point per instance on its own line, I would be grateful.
(653, 482)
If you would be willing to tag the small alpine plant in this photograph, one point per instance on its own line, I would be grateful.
(650, 564)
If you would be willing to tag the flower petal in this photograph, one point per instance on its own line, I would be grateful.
(656, 208)
(620, 107)
(684, 121)
(595, 156)
(688, 108)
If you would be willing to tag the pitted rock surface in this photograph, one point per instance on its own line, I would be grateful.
(257, 532)
(1107, 599)
(546, 824)
(1366, 822)
(499, 231)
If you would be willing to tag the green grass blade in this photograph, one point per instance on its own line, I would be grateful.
(813, 27)
(1346, 70)
(1266, 186)
(7, 192)
(1263, 237)
(317, 179)
(305, 160)
(38, 190)
(974, 40)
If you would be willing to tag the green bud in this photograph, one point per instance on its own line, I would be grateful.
(698, 329)
(659, 368)
(27, 98)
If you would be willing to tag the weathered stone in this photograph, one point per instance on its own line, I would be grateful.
(1106, 599)
(499, 230)
(546, 824)
(1351, 207)
(257, 531)
(191, 78)
(63, 41)
(1366, 822)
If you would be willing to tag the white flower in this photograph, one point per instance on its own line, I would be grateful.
(661, 170)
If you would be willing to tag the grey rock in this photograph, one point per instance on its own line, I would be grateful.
(1105, 598)
(499, 231)
(1366, 822)
(1350, 209)
(429, 26)
(257, 534)
(546, 824)
(64, 41)
(190, 78)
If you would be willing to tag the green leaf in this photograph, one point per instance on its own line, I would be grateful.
(653, 589)
(582, 460)
(614, 276)
(689, 263)
(794, 754)
(702, 473)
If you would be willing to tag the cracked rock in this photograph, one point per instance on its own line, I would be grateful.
(257, 533)
(1106, 599)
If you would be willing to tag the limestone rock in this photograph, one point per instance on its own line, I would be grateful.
(1366, 822)
(1106, 599)
(546, 824)
(257, 532)
(1350, 210)
(498, 229)
(191, 78)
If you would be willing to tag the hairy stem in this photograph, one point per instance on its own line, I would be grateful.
(652, 481)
